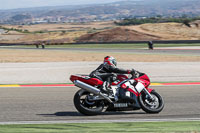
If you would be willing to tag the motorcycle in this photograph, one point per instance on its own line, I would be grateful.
(125, 94)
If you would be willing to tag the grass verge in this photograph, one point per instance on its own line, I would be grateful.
(175, 127)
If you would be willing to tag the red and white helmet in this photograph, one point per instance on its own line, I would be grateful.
(110, 61)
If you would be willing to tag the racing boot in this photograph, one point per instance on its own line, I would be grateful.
(107, 88)
(104, 87)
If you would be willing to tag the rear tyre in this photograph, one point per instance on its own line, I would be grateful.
(86, 107)
(150, 106)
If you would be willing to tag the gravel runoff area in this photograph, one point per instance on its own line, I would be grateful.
(59, 72)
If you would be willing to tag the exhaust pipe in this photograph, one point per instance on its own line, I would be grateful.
(91, 89)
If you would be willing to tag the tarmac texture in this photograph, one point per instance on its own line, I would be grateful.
(56, 104)
(45, 104)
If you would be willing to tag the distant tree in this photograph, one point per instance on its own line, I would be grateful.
(63, 31)
(137, 21)
(196, 24)
(26, 31)
(159, 16)
(187, 23)
(184, 16)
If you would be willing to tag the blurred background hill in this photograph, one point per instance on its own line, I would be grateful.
(119, 21)
(102, 12)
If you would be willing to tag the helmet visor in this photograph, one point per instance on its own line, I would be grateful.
(114, 62)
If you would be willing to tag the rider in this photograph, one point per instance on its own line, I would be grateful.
(107, 71)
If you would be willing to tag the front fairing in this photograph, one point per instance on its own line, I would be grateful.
(125, 83)
(144, 79)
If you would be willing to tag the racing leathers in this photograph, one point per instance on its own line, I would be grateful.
(104, 71)
(107, 73)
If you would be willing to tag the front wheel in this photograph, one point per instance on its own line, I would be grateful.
(151, 106)
(85, 106)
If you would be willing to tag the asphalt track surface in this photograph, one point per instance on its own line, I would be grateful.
(139, 51)
(174, 51)
(43, 104)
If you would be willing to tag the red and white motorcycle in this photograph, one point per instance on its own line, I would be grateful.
(126, 94)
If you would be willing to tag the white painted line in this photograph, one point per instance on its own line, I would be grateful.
(100, 121)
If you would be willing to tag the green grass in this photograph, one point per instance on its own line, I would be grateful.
(113, 46)
(159, 127)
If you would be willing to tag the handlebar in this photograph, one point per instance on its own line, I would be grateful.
(136, 74)
(133, 73)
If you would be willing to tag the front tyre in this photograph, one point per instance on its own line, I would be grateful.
(85, 106)
(151, 106)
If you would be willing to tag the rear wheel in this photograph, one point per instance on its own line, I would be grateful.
(85, 106)
(151, 106)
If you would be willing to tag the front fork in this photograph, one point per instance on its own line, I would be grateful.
(148, 94)
(140, 87)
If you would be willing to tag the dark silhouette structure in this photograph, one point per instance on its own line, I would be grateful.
(150, 45)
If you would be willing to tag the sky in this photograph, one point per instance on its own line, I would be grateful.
(13, 4)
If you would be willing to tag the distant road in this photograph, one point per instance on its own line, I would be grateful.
(140, 51)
